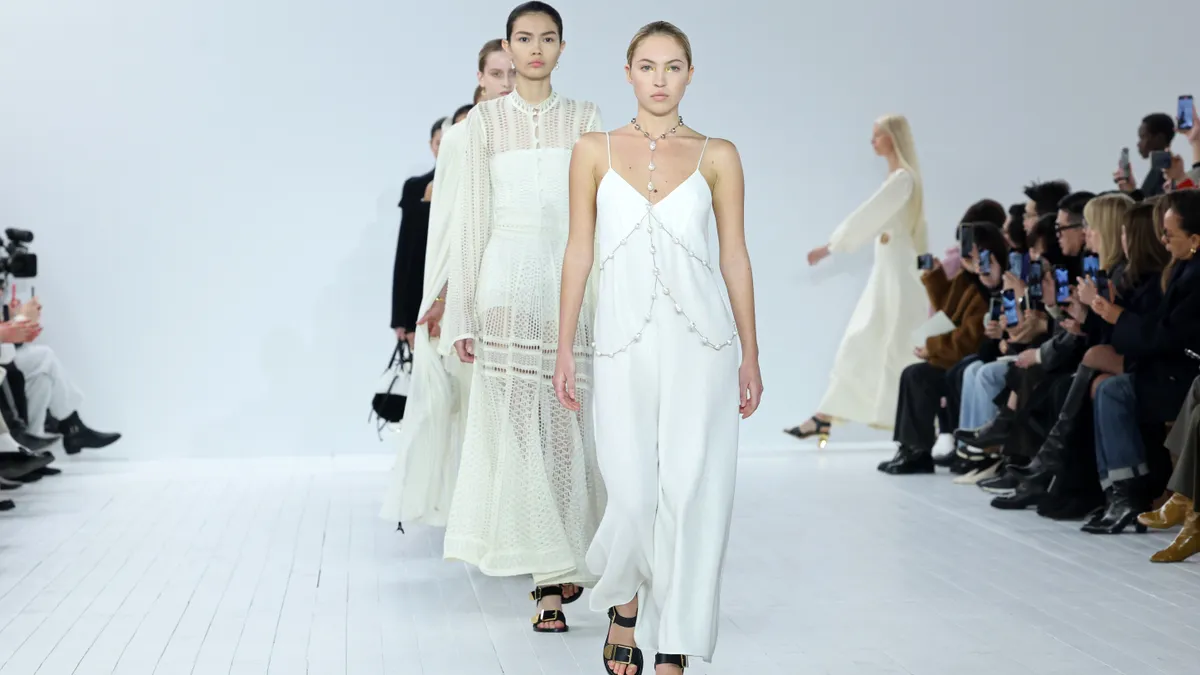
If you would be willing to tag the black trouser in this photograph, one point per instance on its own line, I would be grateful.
(922, 386)
(954, 380)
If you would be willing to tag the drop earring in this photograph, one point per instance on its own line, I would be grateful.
(557, 65)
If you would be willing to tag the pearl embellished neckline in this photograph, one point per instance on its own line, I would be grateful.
(649, 222)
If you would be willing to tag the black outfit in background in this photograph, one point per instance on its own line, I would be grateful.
(408, 274)
(1155, 341)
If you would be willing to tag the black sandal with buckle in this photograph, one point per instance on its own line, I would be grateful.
(549, 615)
(621, 654)
(671, 660)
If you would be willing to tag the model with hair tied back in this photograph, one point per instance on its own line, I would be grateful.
(668, 387)
(428, 442)
(529, 495)
(877, 346)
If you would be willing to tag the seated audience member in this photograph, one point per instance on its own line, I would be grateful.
(984, 424)
(1137, 284)
(1155, 134)
(1181, 509)
(48, 390)
(923, 384)
(1160, 375)
(1014, 229)
(1042, 200)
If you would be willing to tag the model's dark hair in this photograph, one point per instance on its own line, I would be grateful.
(1047, 195)
(985, 211)
(533, 8)
(1160, 124)
(462, 110)
(437, 126)
(1147, 255)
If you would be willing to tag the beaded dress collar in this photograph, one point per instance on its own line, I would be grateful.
(530, 109)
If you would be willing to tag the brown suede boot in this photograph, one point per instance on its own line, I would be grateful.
(1186, 544)
(1170, 514)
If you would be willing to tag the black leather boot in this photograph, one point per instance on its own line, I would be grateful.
(992, 434)
(916, 461)
(1051, 455)
(902, 452)
(77, 435)
(1029, 492)
(1124, 505)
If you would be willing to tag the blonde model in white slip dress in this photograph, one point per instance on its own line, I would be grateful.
(665, 391)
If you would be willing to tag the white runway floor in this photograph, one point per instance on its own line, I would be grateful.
(282, 567)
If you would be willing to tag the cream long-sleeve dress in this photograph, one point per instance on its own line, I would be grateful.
(430, 436)
(529, 494)
(878, 344)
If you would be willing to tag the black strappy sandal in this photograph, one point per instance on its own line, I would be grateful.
(821, 431)
(671, 660)
(622, 654)
(549, 615)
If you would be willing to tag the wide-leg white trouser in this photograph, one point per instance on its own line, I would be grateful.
(666, 420)
(47, 386)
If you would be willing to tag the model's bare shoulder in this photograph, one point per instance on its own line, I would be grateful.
(591, 144)
(722, 151)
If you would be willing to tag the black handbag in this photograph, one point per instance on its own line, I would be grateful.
(391, 395)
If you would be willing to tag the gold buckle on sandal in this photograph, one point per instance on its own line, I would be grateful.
(548, 616)
(610, 652)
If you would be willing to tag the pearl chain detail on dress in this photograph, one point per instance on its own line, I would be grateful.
(650, 220)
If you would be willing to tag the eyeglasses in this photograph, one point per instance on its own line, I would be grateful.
(1066, 228)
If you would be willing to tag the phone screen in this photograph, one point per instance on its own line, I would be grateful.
(966, 239)
(1010, 308)
(925, 261)
(1016, 264)
(985, 262)
(1091, 266)
(1062, 286)
(995, 309)
(1124, 165)
(1185, 117)
(1035, 281)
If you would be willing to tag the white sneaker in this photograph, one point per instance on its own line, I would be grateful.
(944, 445)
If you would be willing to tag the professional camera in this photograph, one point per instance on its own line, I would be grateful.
(16, 260)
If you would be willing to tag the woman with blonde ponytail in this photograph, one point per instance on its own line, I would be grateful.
(877, 345)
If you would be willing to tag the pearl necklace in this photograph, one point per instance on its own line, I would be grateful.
(653, 146)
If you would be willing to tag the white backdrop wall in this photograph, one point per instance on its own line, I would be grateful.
(213, 183)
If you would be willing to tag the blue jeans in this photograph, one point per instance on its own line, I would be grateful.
(982, 383)
(1120, 454)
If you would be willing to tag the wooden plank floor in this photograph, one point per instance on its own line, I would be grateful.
(281, 566)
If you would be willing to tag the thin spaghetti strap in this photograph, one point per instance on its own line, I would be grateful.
(608, 142)
(702, 149)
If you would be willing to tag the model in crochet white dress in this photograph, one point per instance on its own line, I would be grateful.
(529, 495)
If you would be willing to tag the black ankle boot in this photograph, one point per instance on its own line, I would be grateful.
(914, 461)
(77, 435)
(1029, 492)
(993, 434)
(1124, 505)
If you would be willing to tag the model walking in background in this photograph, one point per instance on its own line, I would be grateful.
(529, 495)
(877, 345)
(430, 437)
(668, 386)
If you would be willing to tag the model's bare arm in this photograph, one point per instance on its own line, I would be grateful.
(729, 205)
